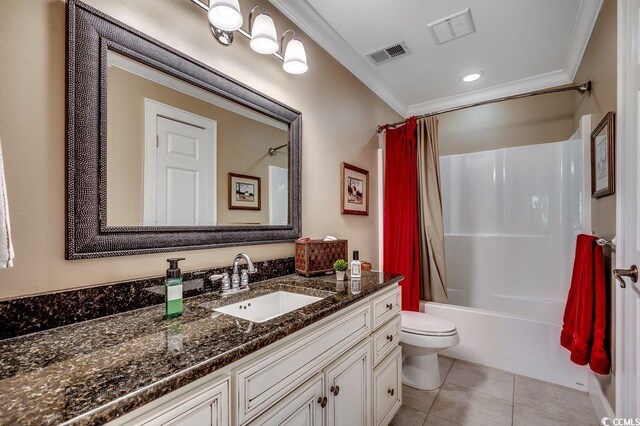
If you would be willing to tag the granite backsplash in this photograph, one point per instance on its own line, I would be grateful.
(30, 314)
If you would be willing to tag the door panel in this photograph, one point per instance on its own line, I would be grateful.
(348, 388)
(628, 232)
(302, 407)
(181, 174)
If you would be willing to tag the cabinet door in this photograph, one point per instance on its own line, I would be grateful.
(348, 388)
(302, 407)
(208, 406)
(387, 388)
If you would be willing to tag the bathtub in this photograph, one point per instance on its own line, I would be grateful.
(525, 346)
(511, 217)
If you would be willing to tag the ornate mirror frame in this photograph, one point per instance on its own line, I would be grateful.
(90, 34)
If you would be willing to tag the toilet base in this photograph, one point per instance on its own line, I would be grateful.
(421, 371)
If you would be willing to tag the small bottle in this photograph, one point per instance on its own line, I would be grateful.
(356, 266)
(173, 289)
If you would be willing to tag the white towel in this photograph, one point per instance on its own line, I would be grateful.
(6, 246)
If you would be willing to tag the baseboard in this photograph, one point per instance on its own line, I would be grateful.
(598, 399)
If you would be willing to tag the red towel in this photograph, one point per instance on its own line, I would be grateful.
(585, 315)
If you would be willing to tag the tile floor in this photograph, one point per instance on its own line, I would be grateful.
(472, 394)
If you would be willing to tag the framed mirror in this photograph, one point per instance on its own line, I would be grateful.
(165, 153)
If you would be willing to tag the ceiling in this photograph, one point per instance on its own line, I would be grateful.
(519, 45)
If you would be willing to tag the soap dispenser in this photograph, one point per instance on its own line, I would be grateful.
(356, 270)
(173, 289)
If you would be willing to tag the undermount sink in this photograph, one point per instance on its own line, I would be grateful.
(269, 306)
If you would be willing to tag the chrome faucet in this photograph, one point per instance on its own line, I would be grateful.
(237, 283)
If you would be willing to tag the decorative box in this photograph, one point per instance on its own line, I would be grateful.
(316, 257)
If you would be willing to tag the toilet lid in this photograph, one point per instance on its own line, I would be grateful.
(421, 323)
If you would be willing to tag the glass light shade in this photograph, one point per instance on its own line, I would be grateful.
(263, 35)
(295, 58)
(225, 14)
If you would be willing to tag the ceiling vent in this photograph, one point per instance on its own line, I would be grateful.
(452, 27)
(389, 53)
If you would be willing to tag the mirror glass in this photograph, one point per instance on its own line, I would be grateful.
(179, 155)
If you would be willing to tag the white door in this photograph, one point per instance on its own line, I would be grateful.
(180, 157)
(348, 388)
(628, 226)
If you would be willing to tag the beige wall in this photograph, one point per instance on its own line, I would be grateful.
(242, 146)
(599, 66)
(339, 117)
(539, 119)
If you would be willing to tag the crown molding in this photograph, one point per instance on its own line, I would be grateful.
(316, 27)
(585, 22)
(539, 82)
(305, 16)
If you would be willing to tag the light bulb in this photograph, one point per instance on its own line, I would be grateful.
(471, 77)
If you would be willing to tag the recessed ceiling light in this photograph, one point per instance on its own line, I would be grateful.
(472, 77)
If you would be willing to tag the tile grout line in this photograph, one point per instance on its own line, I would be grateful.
(479, 391)
(513, 402)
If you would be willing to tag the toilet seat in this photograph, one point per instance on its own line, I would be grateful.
(419, 323)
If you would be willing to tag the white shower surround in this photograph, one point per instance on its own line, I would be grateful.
(511, 217)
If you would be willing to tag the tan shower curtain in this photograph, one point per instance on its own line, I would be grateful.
(434, 282)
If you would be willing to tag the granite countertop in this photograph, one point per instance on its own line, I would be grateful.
(95, 371)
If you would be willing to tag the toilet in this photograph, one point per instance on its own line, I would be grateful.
(423, 336)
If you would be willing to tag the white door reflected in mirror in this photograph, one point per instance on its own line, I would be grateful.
(180, 163)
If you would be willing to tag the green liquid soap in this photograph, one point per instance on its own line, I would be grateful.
(173, 290)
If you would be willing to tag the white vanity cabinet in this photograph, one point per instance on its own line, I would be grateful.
(344, 370)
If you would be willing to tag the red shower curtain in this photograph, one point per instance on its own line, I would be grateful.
(401, 237)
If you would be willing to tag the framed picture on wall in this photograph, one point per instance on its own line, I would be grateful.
(244, 192)
(603, 157)
(354, 190)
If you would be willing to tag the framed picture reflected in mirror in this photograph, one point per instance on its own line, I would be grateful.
(244, 192)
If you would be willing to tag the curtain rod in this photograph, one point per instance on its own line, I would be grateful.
(582, 88)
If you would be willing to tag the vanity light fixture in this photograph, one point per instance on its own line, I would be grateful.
(472, 77)
(225, 17)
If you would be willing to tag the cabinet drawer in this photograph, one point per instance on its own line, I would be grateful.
(265, 381)
(387, 388)
(386, 339)
(385, 307)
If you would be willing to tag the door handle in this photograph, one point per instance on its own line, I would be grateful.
(632, 273)
(335, 390)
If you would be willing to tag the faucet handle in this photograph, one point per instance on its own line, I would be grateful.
(244, 279)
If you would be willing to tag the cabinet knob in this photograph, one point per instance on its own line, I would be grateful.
(391, 392)
(322, 401)
(390, 338)
(335, 390)
(389, 306)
